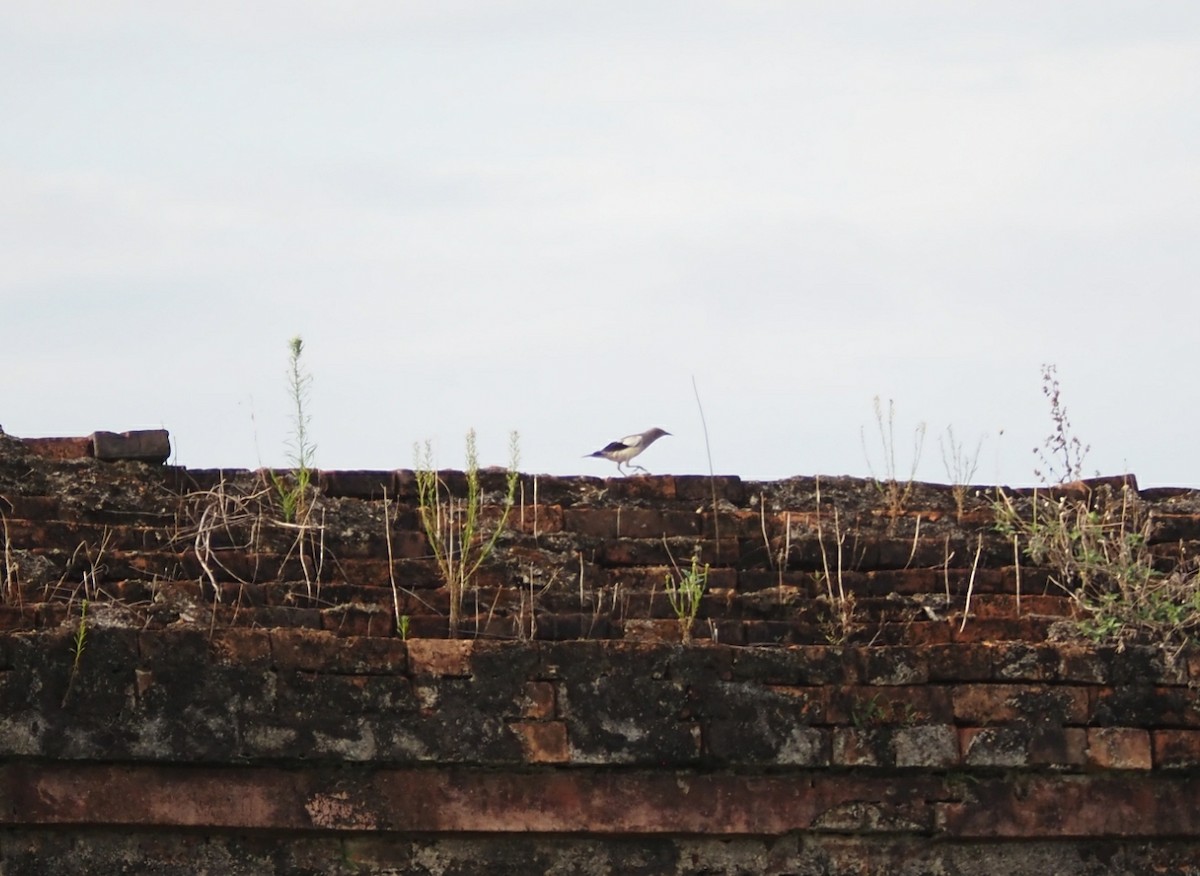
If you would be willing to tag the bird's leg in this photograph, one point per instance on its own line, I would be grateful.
(639, 468)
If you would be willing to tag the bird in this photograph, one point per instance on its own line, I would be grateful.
(628, 447)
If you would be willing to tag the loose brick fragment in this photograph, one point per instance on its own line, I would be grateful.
(147, 445)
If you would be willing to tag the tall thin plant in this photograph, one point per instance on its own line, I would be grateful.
(454, 526)
(896, 490)
(1061, 456)
(960, 465)
(293, 488)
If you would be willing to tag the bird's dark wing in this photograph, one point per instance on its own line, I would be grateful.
(616, 445)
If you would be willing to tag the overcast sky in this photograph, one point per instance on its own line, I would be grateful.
(551, 217)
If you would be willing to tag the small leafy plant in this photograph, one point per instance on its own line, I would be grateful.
(1098, 551)
(454, 526)
(685, 588)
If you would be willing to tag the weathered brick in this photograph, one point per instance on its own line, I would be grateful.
(543, 741)
(238, 647)
(1022, 744)
(538, 700)
(865, 705)
(960, 662)
(1174, 749)
(1119, 748)
(1022, 629)
(147, 445)
(1080, 664)
(983, 704)
(440, 657)
(892, 666)
(933, 746)
(854, 746)
(60, 448)
(359, 484)
(1018, 661)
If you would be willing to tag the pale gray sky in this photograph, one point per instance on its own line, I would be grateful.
(549, 216)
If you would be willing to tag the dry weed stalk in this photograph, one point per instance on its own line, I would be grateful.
(841, 604)
(960, 468)
(896, 491)
(12, 587)
(226, 518)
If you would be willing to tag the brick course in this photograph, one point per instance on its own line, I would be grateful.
(249, 678)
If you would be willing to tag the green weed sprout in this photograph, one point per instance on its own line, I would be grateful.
(454, 526)
(685, 588)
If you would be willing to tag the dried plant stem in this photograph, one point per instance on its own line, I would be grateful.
(971, 585)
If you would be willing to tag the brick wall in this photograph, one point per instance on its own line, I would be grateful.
(242, 701)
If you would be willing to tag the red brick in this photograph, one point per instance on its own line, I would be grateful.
(1082, 664)
(60, 448)
(654, 488)
(309, 650)
(853, 746)
(960, 662)
(923, 634)
(349, 620)
(1023, 744)
(529, 519)
(630, 522)
(988, 606)
(1058, 746)
(984, 704)
(1108, 806)
(538, 702)
(1022, 629)
(1018, 661)
(358, 484)
(1176, 748)
(562, 801)
(1119, 748)
(855, 704)
(441, 657)
(700, 488)
(543, 741)
(239, 647)
(653, 631)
